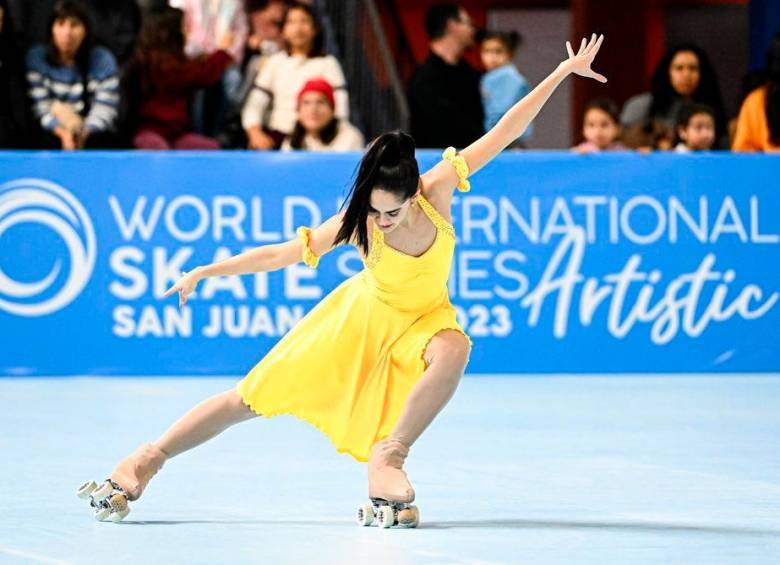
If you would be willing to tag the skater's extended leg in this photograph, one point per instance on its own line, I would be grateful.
(206, 420)
(446, 356)
(201, 423)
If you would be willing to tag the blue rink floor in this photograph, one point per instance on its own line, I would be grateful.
(680, 469)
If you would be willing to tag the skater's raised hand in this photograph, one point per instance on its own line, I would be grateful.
(580, 63)
(185, 286)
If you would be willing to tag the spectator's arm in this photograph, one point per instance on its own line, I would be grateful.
(259, 98)
(204, 72)
(335, 76)
(747, 134)
(41, 97)
(240, 28)
(105, 101)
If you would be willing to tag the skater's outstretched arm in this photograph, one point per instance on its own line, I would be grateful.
(265, 258)
(517, 118)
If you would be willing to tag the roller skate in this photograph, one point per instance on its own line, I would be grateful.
(109, 500)
(389, 489)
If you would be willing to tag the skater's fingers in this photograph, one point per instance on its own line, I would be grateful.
(171, 290)
(569, 49)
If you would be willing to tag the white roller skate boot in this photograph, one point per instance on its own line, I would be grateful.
(389, 489)
(127, 482)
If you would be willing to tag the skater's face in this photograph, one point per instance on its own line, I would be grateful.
(494, 54)
(684, 73)
(599, 128)
(314, 112)
(699, 134)
(68, 34)
(387, 210)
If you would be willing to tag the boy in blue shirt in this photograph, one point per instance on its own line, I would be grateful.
(502, 85)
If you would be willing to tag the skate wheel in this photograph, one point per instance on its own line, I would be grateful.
(117, 502)
(409, 517)
(102, 513)
(385, 516)
(102, 491)
(119, 515)
(86, 489)
(365, 515)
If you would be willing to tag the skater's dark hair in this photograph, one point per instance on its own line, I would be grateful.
(388, 164)
(773, 90)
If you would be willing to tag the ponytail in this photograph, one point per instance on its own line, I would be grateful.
(388, 164)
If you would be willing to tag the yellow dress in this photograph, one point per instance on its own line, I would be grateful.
(348, 366)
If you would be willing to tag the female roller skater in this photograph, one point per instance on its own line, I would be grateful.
(373, 363)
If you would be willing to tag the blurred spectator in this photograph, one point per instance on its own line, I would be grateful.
(269, 114)
(502, 85)
(648, 136)
(206, 21)
(265, 39)
(116, 23)
(73, 86)
(265, 28)
(166, 77)
(684, 74)
(695, 128)
(444, 97)
(758, 124)
(13, 94)
(600, 127)
(317, 128)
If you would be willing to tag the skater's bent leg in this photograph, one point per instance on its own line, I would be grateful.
(206, 420)
(447, 355)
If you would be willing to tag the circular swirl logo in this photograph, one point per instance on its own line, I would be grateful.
(42, 202)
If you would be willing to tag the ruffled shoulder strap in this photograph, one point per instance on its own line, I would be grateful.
(377, 240)
(307, 255)
(461, 168)
(436, 218)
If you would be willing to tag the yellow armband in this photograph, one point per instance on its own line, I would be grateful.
(307, 255)
(461, 168)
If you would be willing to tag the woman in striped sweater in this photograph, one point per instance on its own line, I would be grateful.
(73, 85)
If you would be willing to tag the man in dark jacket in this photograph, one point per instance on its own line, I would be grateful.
(445, 103)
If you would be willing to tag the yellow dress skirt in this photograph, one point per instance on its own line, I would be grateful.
(348, 366)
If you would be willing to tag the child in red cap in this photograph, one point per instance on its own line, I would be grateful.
(317, 128)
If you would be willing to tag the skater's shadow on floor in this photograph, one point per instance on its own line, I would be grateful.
(507, 523)
(268, 522)
(656, 527)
